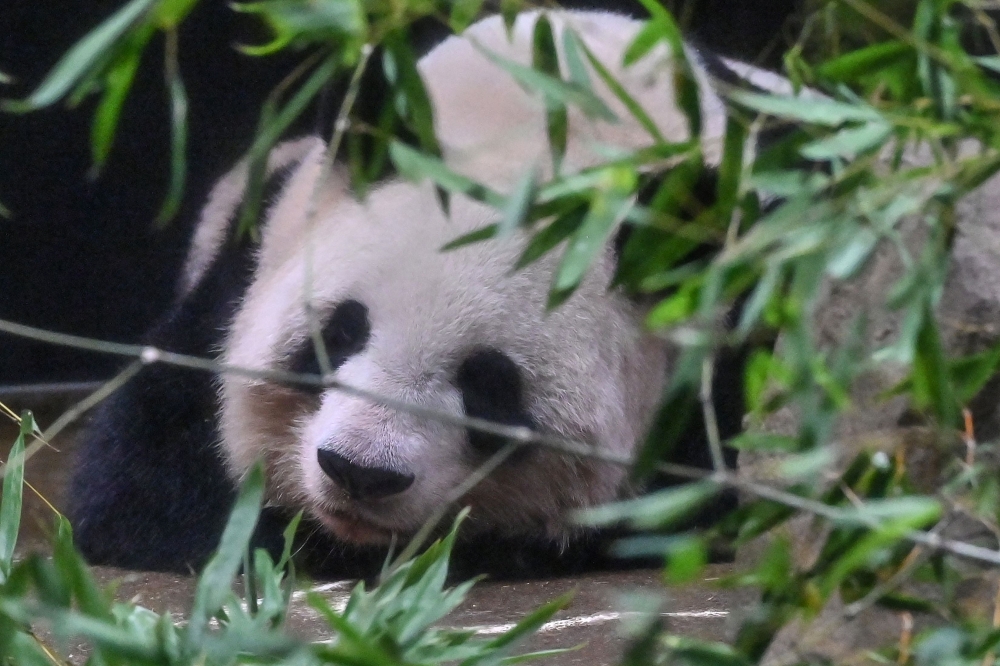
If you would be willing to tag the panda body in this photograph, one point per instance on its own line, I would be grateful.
(454, 332)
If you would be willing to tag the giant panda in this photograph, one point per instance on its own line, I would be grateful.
(455, 332)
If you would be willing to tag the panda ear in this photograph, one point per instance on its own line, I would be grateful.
(638, 250)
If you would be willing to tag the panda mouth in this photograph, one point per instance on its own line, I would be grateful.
(353, 528)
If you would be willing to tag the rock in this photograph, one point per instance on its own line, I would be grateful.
(969, 313)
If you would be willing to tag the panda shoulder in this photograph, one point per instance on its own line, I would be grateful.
(217, 222)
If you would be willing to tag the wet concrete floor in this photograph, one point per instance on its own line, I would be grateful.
(592, 623)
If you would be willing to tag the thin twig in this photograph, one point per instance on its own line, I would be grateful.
(708, 411)
(520, 435)
(82, 407)
(340, 125)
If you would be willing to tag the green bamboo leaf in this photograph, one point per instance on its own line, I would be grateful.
(479, 235)
(117, 82)
(293, 21)
(463, 13)
(215, 584)
(848, 142)
(672, 417)
(178, 133)
(28, 650)
(931, 380)
(417, 166)
(650, 34)
(890, 519)
(530, 623)
(170, 13)
(123, 641)
(10, 503)
(991, 63)
(629, 102)
(662, 26)
(730, 169)
(807, 109)
(656, 510)
(852, 255)
(518, 206)
(78, 61)
(550, 236)
(544, 58)
(289, 536)
(272, 126)
(855, 64)
(686, 559)
(760, 298)
(413, 104)
(90, 599)
(607, 209)
(705, 653)
(969, 375)
(509, 9)
(590, 240)
(537, 655)
(572, 46)
(564, 92)
(677, 307)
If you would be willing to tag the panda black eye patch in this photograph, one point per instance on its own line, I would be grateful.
(345, 333)
(491, 386)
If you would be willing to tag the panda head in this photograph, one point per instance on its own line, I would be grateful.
(456, 332)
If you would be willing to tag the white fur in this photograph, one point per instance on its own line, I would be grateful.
(593, 372)
(215, 223)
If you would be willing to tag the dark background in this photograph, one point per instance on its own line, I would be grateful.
(82, 256)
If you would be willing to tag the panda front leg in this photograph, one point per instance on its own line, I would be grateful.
(148, 490)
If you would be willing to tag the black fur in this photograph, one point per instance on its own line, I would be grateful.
(344, 334)
(149, 490)
(490, 382)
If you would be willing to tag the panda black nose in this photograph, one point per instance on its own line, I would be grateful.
(362, 483)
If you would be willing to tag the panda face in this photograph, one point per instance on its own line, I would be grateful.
(455, 332)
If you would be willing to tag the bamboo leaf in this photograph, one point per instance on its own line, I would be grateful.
(10, 503)
(518, 206)
(659, 509)
(463, 13)
(848, 142)
(618, 90)
(417, 167)
(117, 83)
(554, 89)
(78, 61)
(544, 58)
(215, 583)
(807, 109)
(931, 381)
(857, 63)
(178, 132)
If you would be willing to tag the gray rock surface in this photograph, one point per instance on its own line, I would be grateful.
(969, 313)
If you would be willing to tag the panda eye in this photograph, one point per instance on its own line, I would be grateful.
(490, 382)
(345, 334)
